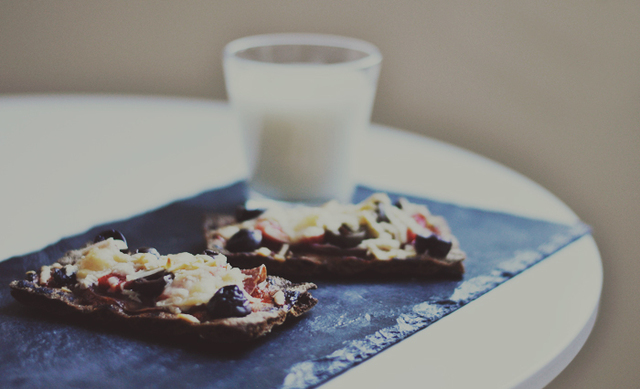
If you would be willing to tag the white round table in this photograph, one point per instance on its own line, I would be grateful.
(61, 155)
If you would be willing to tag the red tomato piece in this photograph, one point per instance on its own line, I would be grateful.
(411, 236)
(254, 277)
(420, 219)
(272, 231)
(104, 284)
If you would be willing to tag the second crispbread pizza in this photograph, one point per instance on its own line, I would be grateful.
(372, 238)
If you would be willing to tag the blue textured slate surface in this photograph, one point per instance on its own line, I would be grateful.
(352, 321)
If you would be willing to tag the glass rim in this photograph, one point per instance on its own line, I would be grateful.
(372, 56)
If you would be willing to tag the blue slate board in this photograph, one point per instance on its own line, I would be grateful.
(352, 321)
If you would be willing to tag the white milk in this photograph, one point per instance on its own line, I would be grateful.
(301, 124)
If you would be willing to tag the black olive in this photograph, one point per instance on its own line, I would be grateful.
(31, 276)
(229, 301)
(104, 235)
(242, 213)
(148, 250)
(61, 278)
(245, 241)
(152, 286)
(437, 247)
(345, 238)
(210, 253)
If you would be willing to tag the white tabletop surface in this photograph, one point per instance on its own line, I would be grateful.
(68, 163)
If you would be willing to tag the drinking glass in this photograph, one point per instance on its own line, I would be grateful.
(303, 102)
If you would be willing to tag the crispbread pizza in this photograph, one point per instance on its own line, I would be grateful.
(176, 294)
(372, 238)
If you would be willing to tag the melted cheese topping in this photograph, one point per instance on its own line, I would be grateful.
(388, 239)
(197, 277)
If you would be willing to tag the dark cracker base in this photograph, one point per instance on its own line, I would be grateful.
(351, 322)
(317, 267)
(165, 324)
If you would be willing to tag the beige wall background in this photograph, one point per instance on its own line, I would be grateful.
(548, 88)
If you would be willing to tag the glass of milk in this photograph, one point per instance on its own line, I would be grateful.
(303, 102)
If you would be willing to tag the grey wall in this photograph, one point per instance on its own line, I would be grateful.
(550, 89)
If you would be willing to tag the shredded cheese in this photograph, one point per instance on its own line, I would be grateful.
(389, 235)
(196, 277)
